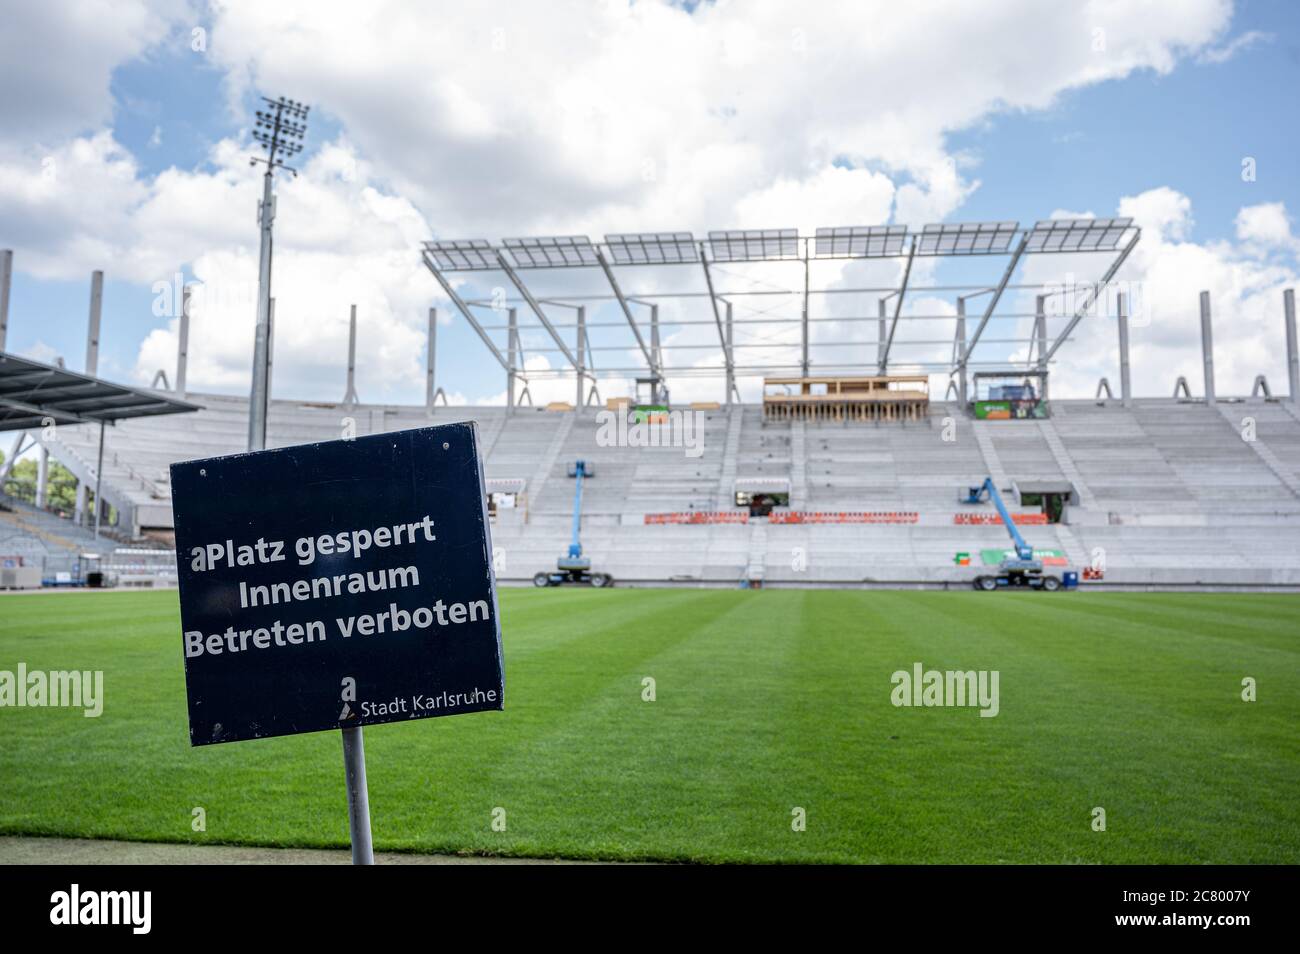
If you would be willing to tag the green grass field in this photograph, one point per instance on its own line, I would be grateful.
(766, 701)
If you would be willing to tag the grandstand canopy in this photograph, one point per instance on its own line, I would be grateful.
(779, 301)
(31, 394)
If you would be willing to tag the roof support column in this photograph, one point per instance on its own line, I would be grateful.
(882, 333)
(658, 353)
(1207, 347)
(657, 366)
(42, 475)
(1121, 317)
(350, 395)
(804, 322)
(1292, 351)
(512, 349)
(731, 367)
(717, 316)
(6, 281)
(430, 380)
(959, 348)
(582, 357)
(1040, 336)
(1040, 329)
(92, 328)
(99, 479)
(183, 342)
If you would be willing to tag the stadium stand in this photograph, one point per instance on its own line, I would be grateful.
(1162, 492)
(38, 538)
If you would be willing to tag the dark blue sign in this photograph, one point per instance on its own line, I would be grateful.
(338, 584)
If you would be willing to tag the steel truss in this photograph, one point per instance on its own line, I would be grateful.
(712, 259)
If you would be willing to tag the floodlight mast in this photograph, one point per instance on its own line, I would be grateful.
(280, 128)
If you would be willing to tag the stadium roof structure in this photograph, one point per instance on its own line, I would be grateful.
(711, 258)
(32, 395)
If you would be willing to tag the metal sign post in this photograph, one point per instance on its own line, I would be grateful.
(354, 764)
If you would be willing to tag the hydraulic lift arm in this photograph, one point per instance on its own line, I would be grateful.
(1023, 550)
(575, 539)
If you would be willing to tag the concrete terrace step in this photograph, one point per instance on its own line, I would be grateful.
(1066, 463)
(727, 477)
(1262, 450)
(992, 463)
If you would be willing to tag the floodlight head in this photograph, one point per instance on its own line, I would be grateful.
(753, 245)
(1077, 235)
(556, 251)
(463, 255)
(861, 241)
(276, 134)
(652, 248)
(967, 238)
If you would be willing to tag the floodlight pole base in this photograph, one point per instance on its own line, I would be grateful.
(354, 766)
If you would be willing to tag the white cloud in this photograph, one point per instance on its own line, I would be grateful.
(509, 120)
(56, 60)
(1265, 225)
(1164, 214)
(1225, 52)
(42, 352)
(339, 241)
(1163, 279)
(69, 210)
(504, 119)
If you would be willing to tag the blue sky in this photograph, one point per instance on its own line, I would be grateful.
(1186, 130)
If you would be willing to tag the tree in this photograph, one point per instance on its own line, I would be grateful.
(60, 486)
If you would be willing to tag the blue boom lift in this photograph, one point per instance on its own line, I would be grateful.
(573, 567)
(1020, 571)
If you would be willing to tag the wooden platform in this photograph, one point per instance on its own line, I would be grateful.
(894, 397)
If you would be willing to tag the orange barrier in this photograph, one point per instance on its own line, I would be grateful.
(992, 519)
(844, 516)
(700, 516)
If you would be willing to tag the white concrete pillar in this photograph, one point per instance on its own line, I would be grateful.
(6, 281)
(512, 349)
(42, 476)
(430, 380)
(1125, 380)
(350, 396)
(183, 342)
(92, 329)
(1207, 347)
(1292, 352)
